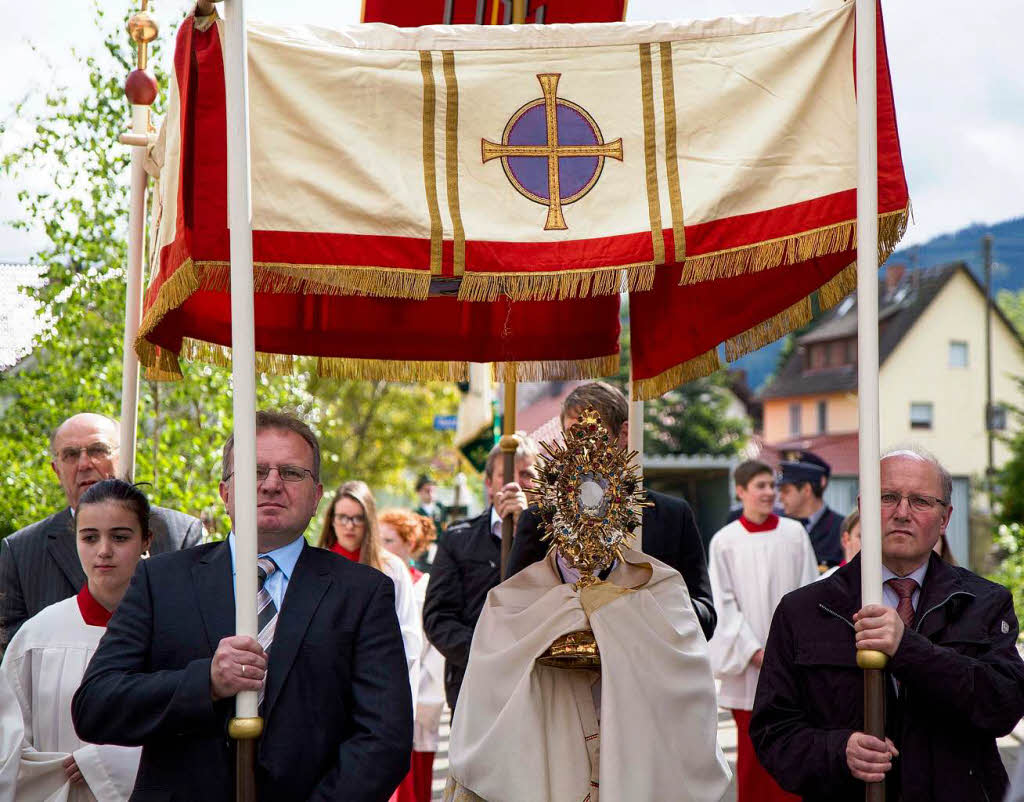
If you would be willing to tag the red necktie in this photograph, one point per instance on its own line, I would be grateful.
(904, 590)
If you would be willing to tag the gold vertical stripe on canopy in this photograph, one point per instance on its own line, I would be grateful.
(429, 159)
(451, 158)
(675, 195)
(651, 154)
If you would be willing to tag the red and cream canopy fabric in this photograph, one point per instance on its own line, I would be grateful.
(708, 166)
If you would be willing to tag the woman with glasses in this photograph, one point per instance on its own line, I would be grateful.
(46, 660)
(351, 529)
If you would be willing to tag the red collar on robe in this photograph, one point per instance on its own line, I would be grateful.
(770, 523)
(337, 548)
(93, 613)
(416, 573)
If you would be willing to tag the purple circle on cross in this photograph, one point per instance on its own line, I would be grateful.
(574, 172)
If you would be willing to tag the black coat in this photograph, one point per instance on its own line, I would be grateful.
(338, 709)
(826, 538)
(961, 686)
(670, 534)
(39, 564)
(466, 567)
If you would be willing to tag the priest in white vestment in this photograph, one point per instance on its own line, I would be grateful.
(643, 729)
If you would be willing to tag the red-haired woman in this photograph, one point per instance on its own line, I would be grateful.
(407, 535)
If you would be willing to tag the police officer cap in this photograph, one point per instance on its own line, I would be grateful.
(802, 466)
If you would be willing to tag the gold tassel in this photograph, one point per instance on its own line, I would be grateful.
(556, 286)
(703, 365)
(556, 369)
(173, 293)
(838, 287)
(822, 241)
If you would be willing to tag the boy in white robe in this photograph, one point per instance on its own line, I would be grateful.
(754, 561)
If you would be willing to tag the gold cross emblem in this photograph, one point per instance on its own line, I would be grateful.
(553, 150)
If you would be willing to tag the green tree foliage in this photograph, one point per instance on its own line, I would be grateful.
(377, 432)
(1009, 511)
(1012, 305)
(692, 419)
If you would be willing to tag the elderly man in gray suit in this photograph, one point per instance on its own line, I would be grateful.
(39, 564)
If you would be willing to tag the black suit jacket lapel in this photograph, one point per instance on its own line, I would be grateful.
(306, 587)
(60, 545)
(215, 592)
(651, 527)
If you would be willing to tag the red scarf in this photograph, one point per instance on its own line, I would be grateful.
(770, 523)
(93, 613)
(337, 548)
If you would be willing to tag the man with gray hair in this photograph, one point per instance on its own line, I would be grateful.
(39, 564)
(468, 564)
(955, 681)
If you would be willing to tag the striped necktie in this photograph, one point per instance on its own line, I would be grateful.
(266, 621)
(904, 588)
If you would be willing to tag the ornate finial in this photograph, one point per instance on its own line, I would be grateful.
(590, 496)
(141, 88)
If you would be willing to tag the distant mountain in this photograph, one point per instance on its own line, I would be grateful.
(963, 245)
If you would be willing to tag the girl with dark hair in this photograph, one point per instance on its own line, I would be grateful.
(46, 660)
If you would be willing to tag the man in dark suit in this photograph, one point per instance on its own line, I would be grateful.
(337, 707)
(468, 565)
(39, 564)
(669, 531)
(803, 476)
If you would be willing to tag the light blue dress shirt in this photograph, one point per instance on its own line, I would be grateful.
(285, 557)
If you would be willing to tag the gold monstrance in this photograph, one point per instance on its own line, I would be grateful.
(590, 497)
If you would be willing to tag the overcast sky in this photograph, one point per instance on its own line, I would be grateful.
(956, 68)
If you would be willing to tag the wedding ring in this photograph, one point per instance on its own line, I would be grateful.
(243, 670)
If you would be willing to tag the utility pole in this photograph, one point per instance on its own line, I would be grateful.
(986, 245)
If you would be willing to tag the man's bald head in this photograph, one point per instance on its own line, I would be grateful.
(85, 451)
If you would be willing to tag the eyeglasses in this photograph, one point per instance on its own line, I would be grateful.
(918, 503)
(349, 520)
(288, 473)
(94, 451)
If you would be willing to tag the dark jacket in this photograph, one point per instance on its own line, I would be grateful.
(466, 567)
(338, 709)
(961, 686)
(39, 564)
(670, 534)
(826, 538)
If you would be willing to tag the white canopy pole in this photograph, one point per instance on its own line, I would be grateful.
(867, 305)
(867, 368)
(243, 338)
(133, 296)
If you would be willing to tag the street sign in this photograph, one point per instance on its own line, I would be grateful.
(445, 423)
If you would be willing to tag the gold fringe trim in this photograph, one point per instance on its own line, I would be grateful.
(768, 331)
(696, 368)
(392, 370)
(838, 287)
(556, 285)
(552, 370)
(792, 318)
(822, 241)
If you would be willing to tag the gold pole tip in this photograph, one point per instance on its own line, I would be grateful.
(509, 443)
(869, 658)
(142, 27)
(245, 729)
